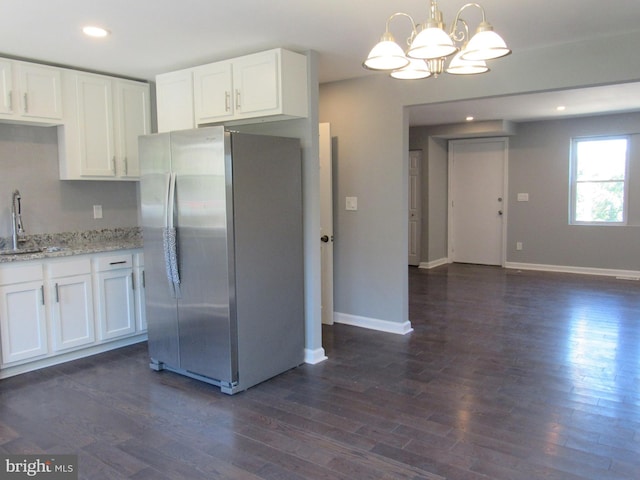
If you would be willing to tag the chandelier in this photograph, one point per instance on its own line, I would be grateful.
(429, 46)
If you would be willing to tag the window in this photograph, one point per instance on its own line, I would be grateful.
(599, 180)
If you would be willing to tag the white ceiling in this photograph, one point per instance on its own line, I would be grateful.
(155, 36)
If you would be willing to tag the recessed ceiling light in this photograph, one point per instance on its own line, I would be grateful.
(93, 31)
(561, 108)
(469, 118)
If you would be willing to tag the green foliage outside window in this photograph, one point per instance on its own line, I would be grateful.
(599, 173)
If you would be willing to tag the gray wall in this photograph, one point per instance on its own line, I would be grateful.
(29, 163)
(368, 118)
(539, 165)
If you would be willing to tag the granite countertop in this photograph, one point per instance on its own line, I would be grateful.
(39, 246)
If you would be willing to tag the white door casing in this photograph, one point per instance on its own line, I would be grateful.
(477, 200)
(326, 223)
(415, 203)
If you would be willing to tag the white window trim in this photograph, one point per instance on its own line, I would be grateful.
(573, 180)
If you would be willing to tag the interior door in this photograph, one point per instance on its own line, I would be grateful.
(415, 210)
(477, 210)
(326, 223)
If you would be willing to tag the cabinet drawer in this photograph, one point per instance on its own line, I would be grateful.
(22, 272)
(69, 267)
(113, 262)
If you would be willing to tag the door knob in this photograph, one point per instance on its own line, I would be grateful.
(499, 212)
(324, 238)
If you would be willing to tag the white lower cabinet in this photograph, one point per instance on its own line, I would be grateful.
(70, 304)
(23, 324)
(115, 296)
(60, 309)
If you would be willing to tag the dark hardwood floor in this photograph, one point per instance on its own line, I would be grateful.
(507, 375)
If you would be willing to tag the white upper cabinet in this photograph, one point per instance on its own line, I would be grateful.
(256, 83)
(96, 139)
(265, 86)
(105, 116)
(31, 93)
(174, 101)
(213, 92)
(132, 114)
(6, 88)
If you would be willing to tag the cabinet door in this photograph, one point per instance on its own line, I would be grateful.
(6, 87)
(212, 91)
(174, 101)
(116, 309)
(256, 83)
(132, 120)
(71, 302)
(22, 321)
(95, 125)
(40, 91)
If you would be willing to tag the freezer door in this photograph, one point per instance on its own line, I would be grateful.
(161, 306)
(202, 195)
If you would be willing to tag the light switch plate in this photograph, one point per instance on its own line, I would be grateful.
(523, 197)
(351, 203)
(97, 211)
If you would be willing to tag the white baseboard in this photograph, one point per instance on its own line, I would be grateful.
(373, 323)
(608, 272)
(434, 263)
(314, 356)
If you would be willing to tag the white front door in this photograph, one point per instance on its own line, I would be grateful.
(326, 223)
(415, 202)
(477, 206)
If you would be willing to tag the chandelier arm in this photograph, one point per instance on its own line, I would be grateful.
(462, 8)
(402, 14)
(461, 36)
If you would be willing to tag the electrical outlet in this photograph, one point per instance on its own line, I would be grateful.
(97, 211)
(518, 245)
(351, 203)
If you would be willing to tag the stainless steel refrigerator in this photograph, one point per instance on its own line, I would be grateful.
(222, 228)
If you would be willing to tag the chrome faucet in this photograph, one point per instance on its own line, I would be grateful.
(17, 229)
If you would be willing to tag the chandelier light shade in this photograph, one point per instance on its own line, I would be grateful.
(386, 55)
(430, 45)
(432, 42)
(485, 45)
(459, 66)
(416, 70)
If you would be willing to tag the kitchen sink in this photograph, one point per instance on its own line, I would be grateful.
(53, 248)
(20, 251)
(25, 251)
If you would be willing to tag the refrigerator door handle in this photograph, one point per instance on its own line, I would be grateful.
(173, 245)
(169, 238)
